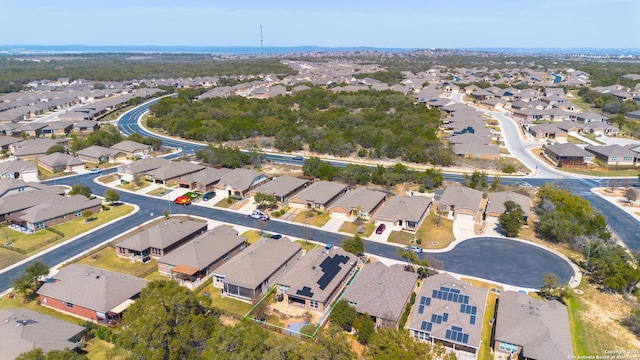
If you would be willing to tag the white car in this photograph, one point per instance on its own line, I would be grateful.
(415, 249)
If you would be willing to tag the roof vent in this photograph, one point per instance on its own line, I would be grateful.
(97, 276)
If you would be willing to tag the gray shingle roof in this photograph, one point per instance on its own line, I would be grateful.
(8, 185)
(62, 205)
(129, 146)
(455, 316)
(381, 291)
(205, 249)
(92, 288)
(18, 166)
(26, 199)
(162, 235)
(321, 192)
(257, 262)
(410, 208)
(174, 169)
(462, 197)
(540, 327)
(281, 186)
(58, 160)
(96, 152)
(611, 150)
(360, 198)
(241, 179)
(24, 330)
(206, 176)
(143, 165)
(311, 279)
(497, 200)
(568, 150)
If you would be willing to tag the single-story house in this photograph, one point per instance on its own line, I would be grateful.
(172, 172)
(282, 188)
(138, 168)
(203, 180)
(24, 330)
(315, 280)
(18, 169)
(568, 154)
(590, 116)
(5, 141)
(91, 293)
(458, 200)
(33, 148)
(613, 155)
(254, 270)
(360, 202)
(318, 196)
(54, 212)
(449, 312)
(56, 161)
(99, 155)
(404, 212)
(12, 186)
(495, 204)
(529, 328)
(382, 292)
(548, 131)
(477, 151)
(193, 263)
(132, 149)
(160, 239)
(20, 201)
(31, 129)
(58, 128)
(86, 126)
(240, 182)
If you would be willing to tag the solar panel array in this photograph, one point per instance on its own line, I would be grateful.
(448, 294)
(424, 301)
(331, 267)
(456, 334)
(305, 291)
(426, 326)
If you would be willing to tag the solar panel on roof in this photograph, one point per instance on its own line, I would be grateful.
(429, 326)
(473, 310)
(440, 293)
(305, 291)
(466, 299)
(424, 326)
(455, 291)
(420, 309)
(434, 317)
(449, 296)
(459, 337)
(435, 293)
(463, 308)
(448, 334)
(455, 298)
(428, 302)
(444, 288)
(439, 319)
(331, 266)
(423, 300)
(472, 320)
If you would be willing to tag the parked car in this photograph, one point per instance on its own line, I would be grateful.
(95, 171)
(415, 249)
(276, 236)
(182, 200)
(259, 215)
(525, 184)
(380, 229)
(208, 195)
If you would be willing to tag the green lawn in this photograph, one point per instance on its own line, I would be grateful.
(107, 259)
(352, 228)
(108, 178)
(433, 237)
(252, 236)
(131, 186)
(8, 257)
(159, 191)
(226, 203)
(485, 347)
(313, 218)
(230, 305)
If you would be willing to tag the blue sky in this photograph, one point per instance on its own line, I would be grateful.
(333, 23)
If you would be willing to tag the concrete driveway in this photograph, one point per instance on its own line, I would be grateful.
(493, 228)
(333, 224)
(463, 227)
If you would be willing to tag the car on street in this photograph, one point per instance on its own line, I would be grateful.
(183, 200)
(276, 236)
(95, 171)
(525, 184)
(380, 229)
(208, 195)
(414, 248)
(259, 215)
(298, 158)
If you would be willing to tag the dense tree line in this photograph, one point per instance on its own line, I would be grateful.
(374, 124)
(607, 102)
(107, 136)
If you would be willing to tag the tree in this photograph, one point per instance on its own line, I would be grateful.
(27, 282)
(343, 314)
(265, 201)
(365, 327)
(166, 322)
(87, 214)
(57, 148)
(78, 189)
(631, 194)
(354, 245)
(477, 180)
(111, 195)
(246, 340)
(511, 220)
(38, 354)
(400, 345)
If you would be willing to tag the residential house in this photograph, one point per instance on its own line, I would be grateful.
(99, 155)
(283, 188)
(91, 293)
(5, 141)
(31, 129)
(382, 292)
(241, 182)
(18, 169)
(132, 149)
(567, 154)
(56, 162)
(172, 172)
(85, 126)
(469, 138)
(548, 131)
(461, 200)
(404, 212)
(159, 239)
(528, 328)
(613, 155)
(24, 330)
(495, 204)
(361, 202)
(635, 115)
(33, 148)
(20, 201)
(318, 196)
(10, 186)
(477, 150)
(590, 116)
(203, 180)
(315, 280)
(247, 275)
(137, 169)
(194, 262)
(54, 212)
(57, 128)
(451, 313)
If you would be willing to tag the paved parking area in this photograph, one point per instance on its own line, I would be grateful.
(463, 227)
(333, 224)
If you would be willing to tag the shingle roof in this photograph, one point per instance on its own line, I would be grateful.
(411, 208)
(497, 200)
(205, 249)
(381, 291)
(467, 314)
(161, 235)
(6, 185)
(318, 273)
(281, 186)
(96, 152)
(62, 205)
(568, 150)
(143, 165)
(476, 149)
(321, 192)
(33, 146)
(257, 262)
(540, 327)
(611, 150)
(174, 169)
(360, 198)
(26, 199)
(18, 166)
(462, 197)
(206, 176)
(92, 288)
(57, 160)
(24, 330)
(240, 178)
(129, 146)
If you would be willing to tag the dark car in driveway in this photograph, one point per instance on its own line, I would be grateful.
(380, 229)
(208, 195)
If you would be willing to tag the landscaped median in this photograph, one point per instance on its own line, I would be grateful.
(23, 245)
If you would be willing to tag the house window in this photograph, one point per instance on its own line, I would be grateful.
(62, 217)
(313, 304)
(69, 305)
(219, 278)
(78, 213)
(421, 335)
(20, 189)
(283, 288)
(39, 225)
(225, 256)
(614, 158)
(317, 206)
(508, 347)
(363, 214)
(352, 303)
(627, 158)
